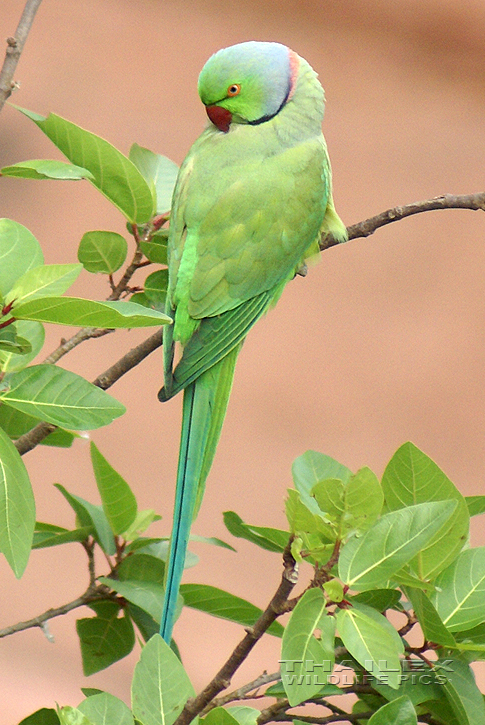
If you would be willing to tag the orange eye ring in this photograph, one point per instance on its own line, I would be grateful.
(234, 90)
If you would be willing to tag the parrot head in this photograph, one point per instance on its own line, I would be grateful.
(247, 83)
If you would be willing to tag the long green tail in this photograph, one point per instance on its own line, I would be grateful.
(204, 408)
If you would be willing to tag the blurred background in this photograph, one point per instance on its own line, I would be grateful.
(383, 342)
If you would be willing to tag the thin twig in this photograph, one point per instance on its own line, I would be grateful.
(347, 717)
(92, 594)
(85, 333)
(367, 227)
(223, 678)
(33, 437)
(242, 692)
(15, 47)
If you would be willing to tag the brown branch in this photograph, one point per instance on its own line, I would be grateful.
(33, 437)
(222, 679)
(85, 333)
(91, 594)
(243, 693)
(367, 227)
(15, 47)
(347, 717)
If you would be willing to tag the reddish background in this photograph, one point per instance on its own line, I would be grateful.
(383, 342)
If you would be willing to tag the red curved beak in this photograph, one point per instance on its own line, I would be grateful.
(220, 117)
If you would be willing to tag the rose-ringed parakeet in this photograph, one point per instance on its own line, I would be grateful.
(252, 198)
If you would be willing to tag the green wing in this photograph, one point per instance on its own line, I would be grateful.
(233, 246)
(257, 231)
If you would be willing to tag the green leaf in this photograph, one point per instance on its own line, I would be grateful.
(461, 691)
(141, 583)
(353, 506)
(460, 591)
(418, 683)
(11, 343)
(17, 507)
(119, 503)
(156, 285)
(71, 716)
(219, 716)
(113, 173)
(44, 716)
(102, 252)
(411, 477)
(142, 567)
(369, 561)
(146, 595)
(60, 438)
(16, 424)
(88, 313)
(19, 252)
(160, 686)
(46, 169)
(147, 626)
(433, 628)
(476, 635)
(34, 333)
(313, 467)
(442, 711)
(44, 539)
(243, 714)
(403, 578)
(143, 541)
(476, 505)
(372, 640)
(155, 250)
(397, 712)
(105, 638)
(90, 691)
(380, 599)
(271, 540)
(106, 709)
(60, 397)
(305, 516)
(224, 605)
(159, 549)
(141, 523)
(91, 515)
(213, 540)
(307, 662)
(48, 280)
(159, 172)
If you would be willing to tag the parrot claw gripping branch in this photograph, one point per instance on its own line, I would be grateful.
(252, 199)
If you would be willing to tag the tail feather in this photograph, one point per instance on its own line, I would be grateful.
(204, 408)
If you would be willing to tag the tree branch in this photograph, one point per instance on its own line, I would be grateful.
(33, 437)
(15, 47)
(367, 227)
(92, 594)
(347, 717)
(85, 333)
(223, 678)
(242, 692)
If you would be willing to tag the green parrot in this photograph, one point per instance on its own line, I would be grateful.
(251, 201)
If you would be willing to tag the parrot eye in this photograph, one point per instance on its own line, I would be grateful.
(234, 90)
